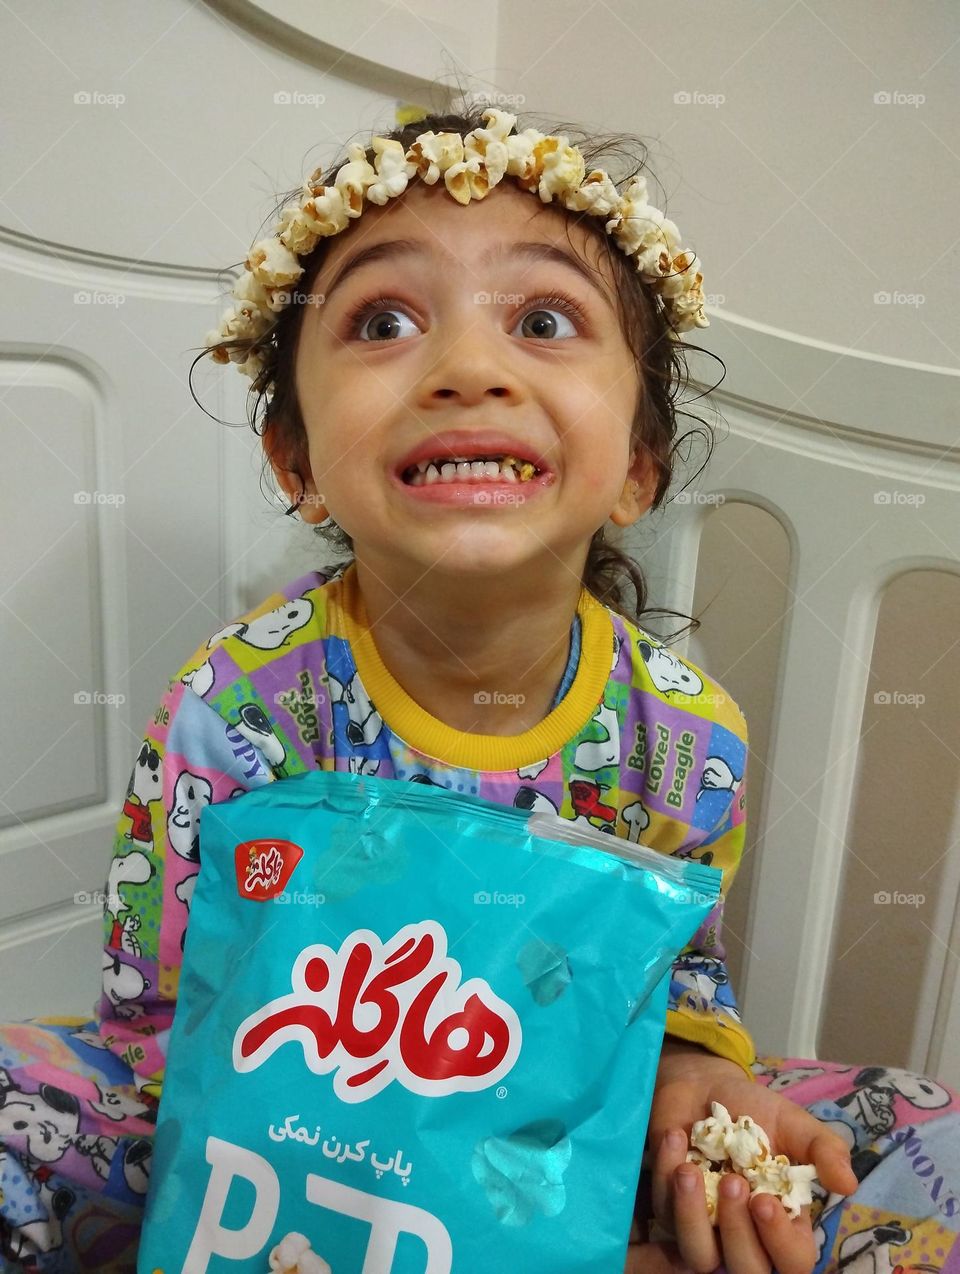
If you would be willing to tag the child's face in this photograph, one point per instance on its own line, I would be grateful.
(434, 358)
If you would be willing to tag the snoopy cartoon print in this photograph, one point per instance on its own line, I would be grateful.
(49, 1120)
(144, 787)
(364, 722)
(122, 984)
(191, 794)
(133, 869)
(271, 630)
(866, 1113)
(668, 672)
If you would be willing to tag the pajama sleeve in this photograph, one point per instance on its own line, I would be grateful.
(190, 757)
(702, 1007)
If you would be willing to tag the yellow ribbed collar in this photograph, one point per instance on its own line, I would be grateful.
(487, 752)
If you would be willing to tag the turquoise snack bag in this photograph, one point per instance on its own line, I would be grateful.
(420, 1028)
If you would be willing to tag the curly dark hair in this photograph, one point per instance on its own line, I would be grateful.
(660, 359)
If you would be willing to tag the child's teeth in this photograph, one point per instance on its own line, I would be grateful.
(509, 469)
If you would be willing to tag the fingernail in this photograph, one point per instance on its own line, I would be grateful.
(676, 1140)
(764, 1209)
(731, 1186)
(687, 1182)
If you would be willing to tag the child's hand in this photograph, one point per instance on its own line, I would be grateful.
(746, 1239)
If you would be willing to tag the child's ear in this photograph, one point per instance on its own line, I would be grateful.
(292, 473)
(639, 489)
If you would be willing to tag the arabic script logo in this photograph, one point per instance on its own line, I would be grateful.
(264, 867)
(377, 1011)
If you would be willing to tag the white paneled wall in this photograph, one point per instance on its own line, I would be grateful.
(856, 459)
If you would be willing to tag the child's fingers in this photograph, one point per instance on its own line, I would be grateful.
(696, 1237)
(742, 1247)
(831, 1154)
(668, 1159)
(788, 1241)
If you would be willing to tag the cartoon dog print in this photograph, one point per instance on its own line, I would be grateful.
(668, 671)
(184, 891)
(24, 1235)
(122, 984)
(365, 765)
(136, 1165)
(200, 679)
(594, 755)
(717, 776)
(190, 794)
(116, 1105)
(364, 722)
(704, 982)
(49, 1120)
(255, 727)
(144, 786)
(869, 1251)
(134, 869)
(870, 1105)
(269, 631)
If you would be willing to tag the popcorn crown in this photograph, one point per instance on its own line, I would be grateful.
(471, 166)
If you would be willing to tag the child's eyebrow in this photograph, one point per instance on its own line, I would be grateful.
(533, 250)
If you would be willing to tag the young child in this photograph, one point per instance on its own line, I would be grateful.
(466, 342)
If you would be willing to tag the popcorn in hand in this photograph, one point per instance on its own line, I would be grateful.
(718, 1145)
(292, 1255)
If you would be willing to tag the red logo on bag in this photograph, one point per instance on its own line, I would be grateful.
(377, 1011)
(264, 867)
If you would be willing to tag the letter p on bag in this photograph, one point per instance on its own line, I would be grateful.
(228, 1161)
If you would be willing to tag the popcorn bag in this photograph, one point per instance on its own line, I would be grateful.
(417, 1032)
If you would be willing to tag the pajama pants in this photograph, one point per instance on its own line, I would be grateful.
(75, 1150)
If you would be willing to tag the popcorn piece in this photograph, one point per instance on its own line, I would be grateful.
(292, 1255)
(710, 1135)
(746, 1143)
(800, 1176)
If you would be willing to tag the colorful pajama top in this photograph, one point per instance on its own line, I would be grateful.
(638, 743)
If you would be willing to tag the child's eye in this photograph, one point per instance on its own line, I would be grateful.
(375, 307)
(549, 305)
